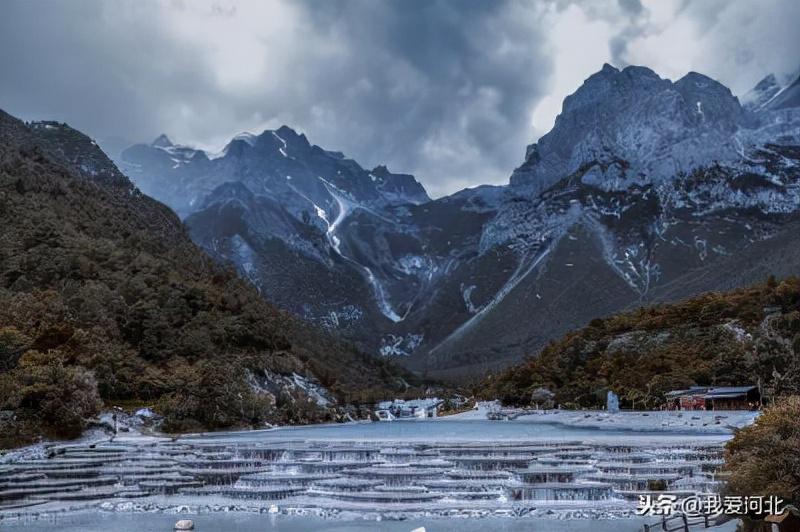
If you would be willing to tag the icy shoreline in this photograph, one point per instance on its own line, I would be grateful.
(667, 421)
(698, 422)
(256, 522)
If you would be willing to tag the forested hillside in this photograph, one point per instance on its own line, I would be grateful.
(747, 336)
(104, 298)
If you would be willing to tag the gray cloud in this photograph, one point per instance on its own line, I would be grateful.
(439, 88)
(448, 90)
(633, 7)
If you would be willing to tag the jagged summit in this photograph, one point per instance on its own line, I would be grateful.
(280, 163)
(654, 127)
(287, 133)
(162, 141)
(279, 141)
(608, 68)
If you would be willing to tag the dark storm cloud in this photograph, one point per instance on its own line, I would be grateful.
(449, 90)
(74, 62)
(440, 88)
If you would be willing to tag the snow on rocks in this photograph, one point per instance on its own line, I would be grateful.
(270, 383)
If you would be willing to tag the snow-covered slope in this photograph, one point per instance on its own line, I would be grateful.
(764, 91)
(787, 98)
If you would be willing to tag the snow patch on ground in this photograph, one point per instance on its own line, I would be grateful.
(335, 319)
(400, 345)
(738, 332)
(466, 293)
(245, 258)
(320, 395)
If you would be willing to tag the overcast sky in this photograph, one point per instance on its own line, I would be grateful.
(451, 91)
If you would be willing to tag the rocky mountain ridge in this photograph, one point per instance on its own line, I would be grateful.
(642, 187)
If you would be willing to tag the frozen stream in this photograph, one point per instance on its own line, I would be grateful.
(469, 474)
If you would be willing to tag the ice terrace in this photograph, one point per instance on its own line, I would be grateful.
(401, 478)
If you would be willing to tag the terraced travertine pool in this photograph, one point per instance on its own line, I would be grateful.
(437, 473)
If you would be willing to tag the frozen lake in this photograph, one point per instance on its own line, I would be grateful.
(445, 429)
(462, 473)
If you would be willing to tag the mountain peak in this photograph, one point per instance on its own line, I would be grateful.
(695, 79)
(162, 141)
(246, 137)
(291, 137)
(611, 83)
(640, 72)
(630, 115)
(286, 130)
(380, 170)
(609, 69)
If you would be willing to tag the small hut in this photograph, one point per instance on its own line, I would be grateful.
(714, 398)
(692, 398)
(733, 398)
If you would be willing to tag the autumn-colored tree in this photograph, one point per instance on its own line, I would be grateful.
(58, 397)
(763, 458)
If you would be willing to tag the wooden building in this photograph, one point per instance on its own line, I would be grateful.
(714, 398)
(692, 398)
(733, 398)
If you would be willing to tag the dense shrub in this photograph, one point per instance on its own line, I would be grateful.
(55, 397)
(763, 459)
(214, 397)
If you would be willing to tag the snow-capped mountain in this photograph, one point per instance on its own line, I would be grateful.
(643, 190)
(281, 163)
(659, 128)
(307, 226)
